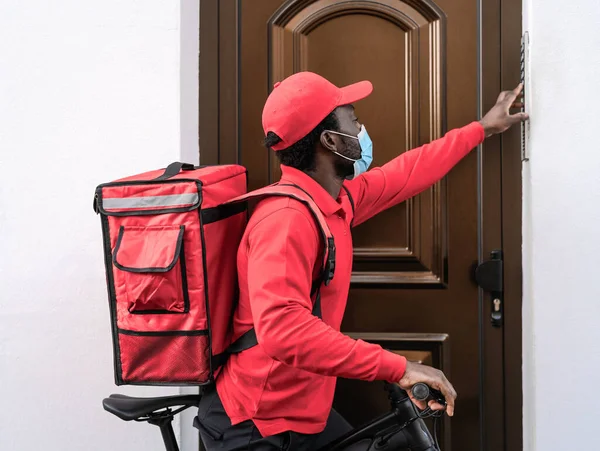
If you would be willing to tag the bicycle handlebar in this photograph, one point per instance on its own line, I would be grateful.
(403, 428)
(423, 392)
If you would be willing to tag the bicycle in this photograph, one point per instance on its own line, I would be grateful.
(402, 429)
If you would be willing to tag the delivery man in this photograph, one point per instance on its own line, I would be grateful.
(283, 388)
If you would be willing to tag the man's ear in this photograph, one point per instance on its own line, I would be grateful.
(328, 141)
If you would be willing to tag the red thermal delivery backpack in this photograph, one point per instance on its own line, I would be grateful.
(170, 247)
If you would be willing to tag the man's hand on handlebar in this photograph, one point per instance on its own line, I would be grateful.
(433, 377)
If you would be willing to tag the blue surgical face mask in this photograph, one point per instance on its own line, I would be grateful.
(366, 152)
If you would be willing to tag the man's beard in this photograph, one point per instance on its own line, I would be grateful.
(345, 168)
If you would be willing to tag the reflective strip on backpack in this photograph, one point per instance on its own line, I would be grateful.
(174, 200)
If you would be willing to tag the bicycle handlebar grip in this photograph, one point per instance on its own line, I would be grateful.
(420, 391)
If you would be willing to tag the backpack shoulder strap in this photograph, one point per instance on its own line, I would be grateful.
(248, 339)
(296, 192)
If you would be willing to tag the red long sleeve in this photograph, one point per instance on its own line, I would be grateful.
(283, 252)
(411, 172)
(287, 382)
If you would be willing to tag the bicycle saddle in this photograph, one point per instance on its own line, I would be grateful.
(130, 408)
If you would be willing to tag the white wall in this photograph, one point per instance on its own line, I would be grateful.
(561, 214)
(89, 91)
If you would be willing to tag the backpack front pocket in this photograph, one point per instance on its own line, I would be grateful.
(149, 265)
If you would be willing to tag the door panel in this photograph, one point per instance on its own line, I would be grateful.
(412, 288)
(399, 48)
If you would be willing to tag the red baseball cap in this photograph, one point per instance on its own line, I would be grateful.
(300, 102)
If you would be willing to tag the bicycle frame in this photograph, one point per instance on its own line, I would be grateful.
(166, 430)
(401, 429)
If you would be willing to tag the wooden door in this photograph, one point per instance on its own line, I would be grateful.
(412, 286)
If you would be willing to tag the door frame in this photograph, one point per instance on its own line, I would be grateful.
(500, 26)
(499, 191)
(510, 63)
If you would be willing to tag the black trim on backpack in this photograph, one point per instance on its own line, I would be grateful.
(184, 283)
(221, 212)
(206, 292)
(317, 305)
(112, 298)
(164, 333)
(178, 250)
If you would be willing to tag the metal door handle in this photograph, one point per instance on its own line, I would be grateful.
(489, 276)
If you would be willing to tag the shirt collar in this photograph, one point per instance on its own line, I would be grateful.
(327, 204)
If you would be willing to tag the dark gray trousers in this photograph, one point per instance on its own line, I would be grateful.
(217, 433)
